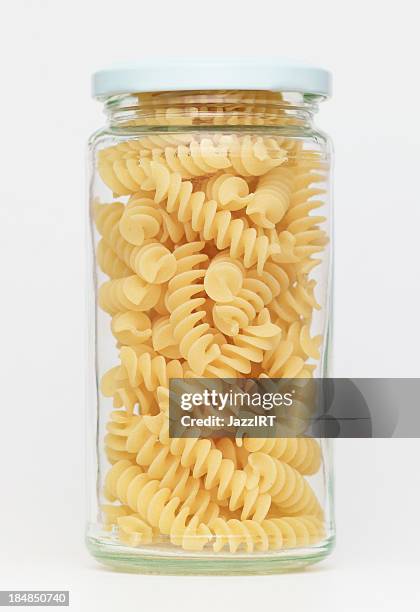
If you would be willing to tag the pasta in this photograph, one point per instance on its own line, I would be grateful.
(290, 490)
(196, 345)
(201, 460)
(127, 171)
(234, 108)
(285, 532)
(158, 506)
(118, 429)
(111, 513)
(272, 197)
(154, 263)
(295, 304)
(143, 219)
(110, 263)
(139, 367)
(131, 328)
(134, 531)
(288, 358)
(128, 293)
(229, 191)
(163, 338)
(207, 257)
(253, 155)
(223, 279)
(303, 454)
(124, 395)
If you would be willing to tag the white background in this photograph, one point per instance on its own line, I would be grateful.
(48, 50)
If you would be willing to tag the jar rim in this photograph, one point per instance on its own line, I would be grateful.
(214, 74)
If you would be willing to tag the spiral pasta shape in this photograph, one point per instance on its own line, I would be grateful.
(255, 339)
(204, 217)
(152, 261)
(258, 290)
(131, 328)
(114, 385)
(303, 454)
(229, 484)
(110, 263)
(155, 263)
(243, 242)
(155, 504)
(196, 345)
(145, 444)
(220, 474)
(119, 169)
(272, 198)
(298, 220)
(145, 145)
(111, 513)
(229, 450)
(230, 318)
(288, 358)
(229, 191)
(163, 338)
(193, 535)
(118, 429)
(271, 534)
(281, 363)
(107, 217)
(249, 344)
(274, 279)
(143, 219)
(198, 158)
(168, 470)
(286, 486)
(223, 279)
(124, 170)
(189, 256)
(283, 246)
(128, 293)
(141, 368)
(134, 531)
(297, 303)
(169, 186)
(253, 156)
(304, 346)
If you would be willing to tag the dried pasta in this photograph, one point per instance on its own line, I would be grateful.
(208, 254)
(277, 533)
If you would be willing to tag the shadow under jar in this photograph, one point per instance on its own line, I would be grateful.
(210, 216)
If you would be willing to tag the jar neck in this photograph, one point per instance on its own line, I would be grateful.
(212, 108)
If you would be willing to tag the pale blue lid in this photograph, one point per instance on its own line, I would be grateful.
(202, 74)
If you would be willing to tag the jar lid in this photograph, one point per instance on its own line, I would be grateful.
(182, 75)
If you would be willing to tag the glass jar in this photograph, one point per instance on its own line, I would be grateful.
(210, 211)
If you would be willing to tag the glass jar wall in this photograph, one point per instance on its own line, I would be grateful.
(211, 246)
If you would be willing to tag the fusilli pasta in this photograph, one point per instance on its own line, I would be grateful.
(209, 258)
